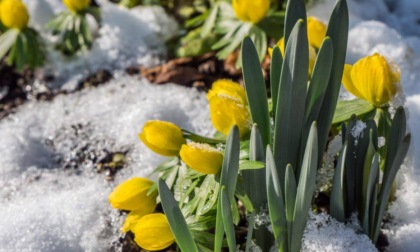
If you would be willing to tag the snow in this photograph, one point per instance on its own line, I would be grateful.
(125, 38)
(49, 208)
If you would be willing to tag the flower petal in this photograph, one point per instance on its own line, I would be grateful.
(202, 157)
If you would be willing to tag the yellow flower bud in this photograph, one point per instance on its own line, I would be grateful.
(152, 232)
(251, 10)
(164, 138)
(132, 219)
(227, 111)
(76, 5)
(132, 195)
(316, 32)
(202, 157)
(372, 79)
(229, 88)
(312, 54)
(14, 14)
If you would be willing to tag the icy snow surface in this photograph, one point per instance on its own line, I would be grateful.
(47, 208)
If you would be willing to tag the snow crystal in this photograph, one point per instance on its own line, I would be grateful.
(324, 233)
(48, 208)
(357, 130)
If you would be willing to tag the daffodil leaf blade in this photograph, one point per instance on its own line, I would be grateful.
(228, 219)
(337, 30)
(276, 207)
(255, 89)
(305, 189)
(337, 197)
(372, 173)
(346, 108)
(176, 219)
(295, 10)
(290, 109)
(275, 73)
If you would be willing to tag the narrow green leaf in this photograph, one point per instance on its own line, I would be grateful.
(305, 189)
(338, 32)
(197, 138)
(210, 21)
(373, 176)
(229, 176)
(295, 10)
(227, 219)
(290, 200)
(259, 38)
(276, 205)
(176, 220)
(337, 198)
(255, 184)
(250, 165)
(290, 109)
(275, 71)
(7, 40)
(255, 89)
(345, 109)
(251, 223)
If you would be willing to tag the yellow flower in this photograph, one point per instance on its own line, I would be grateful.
(316, 32)
(372, 79)
(251, 10)
(202, 157)
(76, 5)
(152, 232)
(14, 14)
(227, 111)
(132, 219)
(312, 54)
(229, 88)
(164, 138)
(132, 195)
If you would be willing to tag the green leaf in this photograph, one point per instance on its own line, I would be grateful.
(273, 20)
(275, 71)
(338, 32)
(255, 89)
(251, 223)
(295, 10)
(197, 138)
(398, 145)
(290, 196)
(250, 165)
(373, 176)
(227, 219)
(337, 198)
(305, 189)
(176, 220)
(290, 109)
(210, 21)
(234, 41)
(276, 205)
(228, 178)
(345, 109)
(259, 38)
(7, 40)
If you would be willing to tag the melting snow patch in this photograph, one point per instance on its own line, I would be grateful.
(49, 206)
(324, 233)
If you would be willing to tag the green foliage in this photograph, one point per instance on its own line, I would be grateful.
(73, 30)
(22, 48)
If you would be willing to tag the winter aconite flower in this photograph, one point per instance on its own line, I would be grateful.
(132, 219)
(76, 5)
(164, 138)
(202, 157)
(312, 54)
(152, 232)
(229, 88)
(251, 10)
(14, 14)
(316, 32)
(132, 195)
(227, 111)
(373, 79)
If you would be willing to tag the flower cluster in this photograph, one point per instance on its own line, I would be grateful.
(151, 230)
